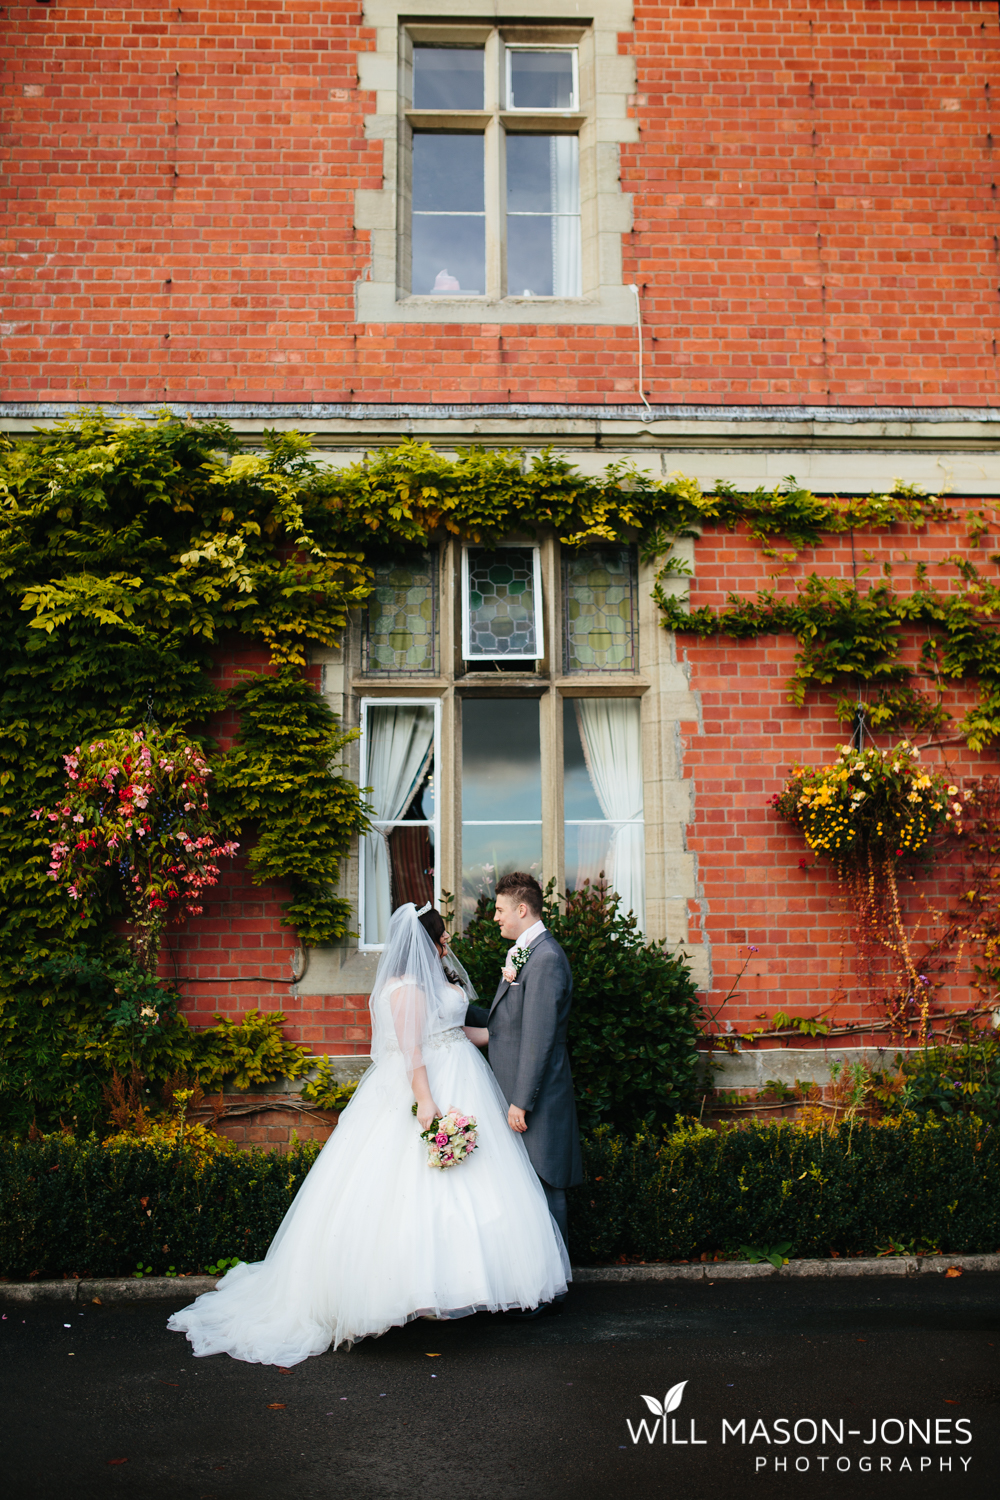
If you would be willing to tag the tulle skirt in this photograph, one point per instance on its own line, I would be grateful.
(375, 1237)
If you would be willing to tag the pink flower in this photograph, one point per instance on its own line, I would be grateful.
(440, 1139)
(509, 973)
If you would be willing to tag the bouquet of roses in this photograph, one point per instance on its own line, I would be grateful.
(450, 1139)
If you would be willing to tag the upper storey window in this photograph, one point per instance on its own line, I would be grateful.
(447, 77)
(599, 603)
(400, 634)
(501, 604)
(492, 166)
(542, 78)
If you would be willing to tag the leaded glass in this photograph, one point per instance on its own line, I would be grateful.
(599, 587)
(501, 616)
(402, 617)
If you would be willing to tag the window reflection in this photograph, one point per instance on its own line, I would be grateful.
(603, 800)
(447, 77)
(501, 793)
(539, 79)
(449, 220)
(543, 216)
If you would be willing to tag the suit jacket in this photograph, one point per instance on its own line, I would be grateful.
(529, 1057)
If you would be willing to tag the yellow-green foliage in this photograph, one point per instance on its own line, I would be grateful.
(325, 1091)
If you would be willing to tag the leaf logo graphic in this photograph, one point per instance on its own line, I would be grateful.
(671, 1400)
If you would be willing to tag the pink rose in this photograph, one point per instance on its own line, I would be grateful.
(509, 973)
(440, 1139)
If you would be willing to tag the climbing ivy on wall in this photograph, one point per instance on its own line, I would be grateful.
(133, 553)
(129, 553)
(852, 634)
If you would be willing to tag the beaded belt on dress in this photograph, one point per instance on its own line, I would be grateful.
(445, 1038)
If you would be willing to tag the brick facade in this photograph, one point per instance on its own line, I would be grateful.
(813, 236)
(812, 192)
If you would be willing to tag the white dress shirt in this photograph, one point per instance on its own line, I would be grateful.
(526, 939)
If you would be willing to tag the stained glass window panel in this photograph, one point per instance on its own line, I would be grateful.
(599, 594)
(502, 613)
(402, 617)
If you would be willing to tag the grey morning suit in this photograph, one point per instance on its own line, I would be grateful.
(527, 1024)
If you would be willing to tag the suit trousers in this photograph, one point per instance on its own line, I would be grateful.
(557, 1208)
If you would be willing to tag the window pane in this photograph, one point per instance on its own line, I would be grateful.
(543, 223)
(579, 797)
(448, 173)
(501, 603)
(449, 254)
(447, 77)
(501, 793)
(529, 257)
(604, 832)
(411, 856)
(501, 760)
(541, 80)
(543, 174)
(399, 767)
(529, 173)
(402, 616)
(588, 854)
(599, 589)
(488, 853)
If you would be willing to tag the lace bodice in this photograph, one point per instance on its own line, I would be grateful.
(443, 1028)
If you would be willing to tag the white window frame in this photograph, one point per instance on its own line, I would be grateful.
(434, 823)
(539, 652)
(532, 109)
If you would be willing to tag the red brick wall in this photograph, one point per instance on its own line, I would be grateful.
(753, 890)
(812, 189)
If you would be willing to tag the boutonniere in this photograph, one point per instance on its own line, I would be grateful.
(517, 962)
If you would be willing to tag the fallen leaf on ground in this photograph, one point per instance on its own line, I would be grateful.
(276, 1406)
(284, 1370)
(96, 1301)
(169, 1382)
(117, 1460)
(433, 1356)
(953, 1271)
(951, 1400)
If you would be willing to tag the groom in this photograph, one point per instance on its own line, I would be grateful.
(527, 1027)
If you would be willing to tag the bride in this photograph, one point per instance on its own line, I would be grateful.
(375, 1236)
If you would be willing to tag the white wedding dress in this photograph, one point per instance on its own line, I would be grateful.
(374, 1236)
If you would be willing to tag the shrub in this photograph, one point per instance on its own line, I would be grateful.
(82, 1207)
(92, 1019)
(70, 1206)
(947, 1081)
(856, 1188)
(634, 1024)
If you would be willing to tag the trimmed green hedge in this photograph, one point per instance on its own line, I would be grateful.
(854, 1189)
(79, 1207)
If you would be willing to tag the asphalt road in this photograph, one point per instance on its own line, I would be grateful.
(115, 1406)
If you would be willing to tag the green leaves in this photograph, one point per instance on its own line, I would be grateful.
(280, 778)
(775, 1190)
(634, 1023)
(128, 550)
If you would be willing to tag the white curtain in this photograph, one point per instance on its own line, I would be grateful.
(400, 743)
(565, 180)
(611, 733)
